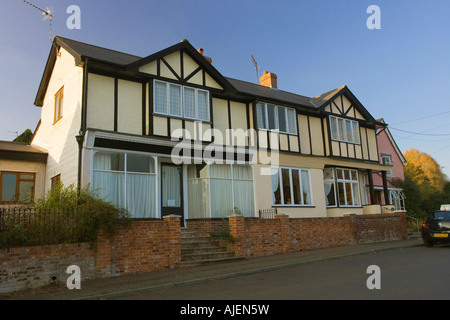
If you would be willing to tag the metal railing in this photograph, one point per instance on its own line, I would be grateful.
(29, 227)
(417, 224)
(268, 213)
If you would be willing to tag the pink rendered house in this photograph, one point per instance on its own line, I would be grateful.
(390, 154)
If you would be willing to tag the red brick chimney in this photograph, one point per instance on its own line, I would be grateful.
(207, 58)
(268, 79)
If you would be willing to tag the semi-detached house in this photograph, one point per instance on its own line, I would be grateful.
(169, 134)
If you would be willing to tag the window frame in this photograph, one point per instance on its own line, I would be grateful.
(17, 186)
(168, 113)
(345, 182)
(389, 161)
(291, 187)
(276, 119)
(339, 130)
(59, 105)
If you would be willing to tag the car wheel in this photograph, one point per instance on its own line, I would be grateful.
(428, 243)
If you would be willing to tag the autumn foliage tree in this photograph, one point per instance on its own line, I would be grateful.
(425, 185)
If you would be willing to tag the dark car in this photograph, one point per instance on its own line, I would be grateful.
(436, 229)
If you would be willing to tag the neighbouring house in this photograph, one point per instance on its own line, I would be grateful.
(389, 154)
(22, 173)
(169, 134)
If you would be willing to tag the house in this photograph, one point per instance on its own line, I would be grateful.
(22, 173)
(169, 134)
(389, 154)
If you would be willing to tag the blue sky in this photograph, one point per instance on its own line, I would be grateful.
(400, 72)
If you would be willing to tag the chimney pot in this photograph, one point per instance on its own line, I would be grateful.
(269, 79)
(200, 51)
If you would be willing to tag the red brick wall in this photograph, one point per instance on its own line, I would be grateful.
(207, 226)
(147, 245)
(33, 267)
(256, 237)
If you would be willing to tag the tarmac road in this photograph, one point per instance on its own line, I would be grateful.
(414, 273)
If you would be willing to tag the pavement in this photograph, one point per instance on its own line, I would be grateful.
(103, 289)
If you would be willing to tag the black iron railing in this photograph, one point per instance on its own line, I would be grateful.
(267, 213)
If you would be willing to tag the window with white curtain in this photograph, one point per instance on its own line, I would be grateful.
(217, 191)
(126, 180)
(272, 117)
(330, 187)
(181, 101)
(344, 130)
(348, 187)
(291, 187)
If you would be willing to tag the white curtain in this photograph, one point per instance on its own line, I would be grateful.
(306, 187)
(221, 198)
(243, 197)
(198, 193)
(141, 196)
(109, 186)
(171, 187)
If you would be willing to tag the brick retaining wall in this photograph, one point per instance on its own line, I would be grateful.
(156, 244)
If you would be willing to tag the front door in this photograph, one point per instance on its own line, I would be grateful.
(172, 190)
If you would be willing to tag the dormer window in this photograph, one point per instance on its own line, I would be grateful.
(344, 130)
(180, 101)
(272, 117)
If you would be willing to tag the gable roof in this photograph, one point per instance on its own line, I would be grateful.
(131, 63)
(385, 128)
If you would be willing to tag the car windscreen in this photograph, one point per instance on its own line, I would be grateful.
(442, 215)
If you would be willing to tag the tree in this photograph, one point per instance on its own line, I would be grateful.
(424, 171)
(426, 187)
(26, 136)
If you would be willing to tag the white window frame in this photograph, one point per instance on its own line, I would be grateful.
(280, 186)
(196, 102)
(386, 159)
(289, 130)
(339, 132)
(397, 198)
(344, 181)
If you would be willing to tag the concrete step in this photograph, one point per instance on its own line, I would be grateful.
(197, 249)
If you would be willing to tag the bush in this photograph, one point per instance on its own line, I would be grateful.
(63, 215)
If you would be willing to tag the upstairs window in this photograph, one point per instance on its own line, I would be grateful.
(181, 101)
(272, 117)
(344, 130)
(59, 99)
(387, 160)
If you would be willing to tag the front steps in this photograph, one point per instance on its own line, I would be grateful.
(201, 249)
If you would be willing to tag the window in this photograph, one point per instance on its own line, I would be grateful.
(16, 187)
(59, 99)
(56, 180)
(271, 117)
(398, 199)
(387, 160)
(217, 191)
(330, 187)
(180, 101)
(342, 187)
(127, 181)
(344, 130)
(291, 187)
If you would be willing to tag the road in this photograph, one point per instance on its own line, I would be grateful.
(415, 273)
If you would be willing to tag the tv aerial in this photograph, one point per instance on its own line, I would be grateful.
(48, 15)
(255, 63)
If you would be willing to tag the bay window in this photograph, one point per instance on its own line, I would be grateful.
(180, 101)
(291, 187)
(126, 180)
(342, 187)
(217, 191)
